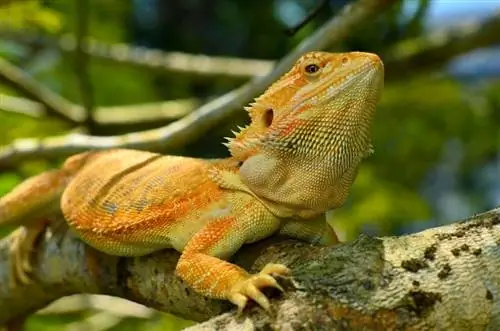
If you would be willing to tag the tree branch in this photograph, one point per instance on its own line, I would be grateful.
(441, 278)
(321, 4)
(113, 115)
(410, 56)
(425, 52)
(153, 59)
(200, 121)
(431, 51)
(18, 80)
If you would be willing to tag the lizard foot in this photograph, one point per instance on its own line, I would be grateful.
(250, 287)
(21, 249)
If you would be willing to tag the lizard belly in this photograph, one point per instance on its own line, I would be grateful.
(131, 203)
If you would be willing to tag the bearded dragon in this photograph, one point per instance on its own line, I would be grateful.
(296, 160)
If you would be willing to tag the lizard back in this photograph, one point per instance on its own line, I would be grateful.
(124, 196)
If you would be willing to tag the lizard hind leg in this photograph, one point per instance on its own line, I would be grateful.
(29, 205)
(315, 231)
(23, 241)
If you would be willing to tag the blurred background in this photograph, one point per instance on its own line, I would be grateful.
(436, 134)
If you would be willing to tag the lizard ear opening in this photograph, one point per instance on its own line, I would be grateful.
(268, 117)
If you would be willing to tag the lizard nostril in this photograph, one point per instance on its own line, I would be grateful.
(268, 117)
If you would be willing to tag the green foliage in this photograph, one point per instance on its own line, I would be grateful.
(30, 15)
(94, 319)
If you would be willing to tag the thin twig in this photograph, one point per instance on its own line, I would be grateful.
(143, 113)
(45, 102)
(20, 81)
(146, 58)
(428, 52)
(409, 55)
(293, 30)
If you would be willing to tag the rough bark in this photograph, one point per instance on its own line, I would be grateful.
(443, 278)
(440, 279)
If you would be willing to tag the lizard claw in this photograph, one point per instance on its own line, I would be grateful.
(21, 248)
(19, 262)
(250, 287)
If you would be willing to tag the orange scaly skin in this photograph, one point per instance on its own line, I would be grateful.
(297, 159)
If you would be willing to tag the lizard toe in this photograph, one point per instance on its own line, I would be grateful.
(256, 295)
(250, 288)
(239, 300)
(275, 268)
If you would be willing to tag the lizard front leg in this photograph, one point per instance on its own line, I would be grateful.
(202, 266)
(315, 231)
(29, 205)
(231, 180)
(22, 246)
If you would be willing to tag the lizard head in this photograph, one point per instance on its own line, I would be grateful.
(310, 130)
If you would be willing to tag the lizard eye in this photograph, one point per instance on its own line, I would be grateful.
(345, 60)
(311, 69)
(268, 117)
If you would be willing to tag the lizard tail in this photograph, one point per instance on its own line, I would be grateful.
(39, 196)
